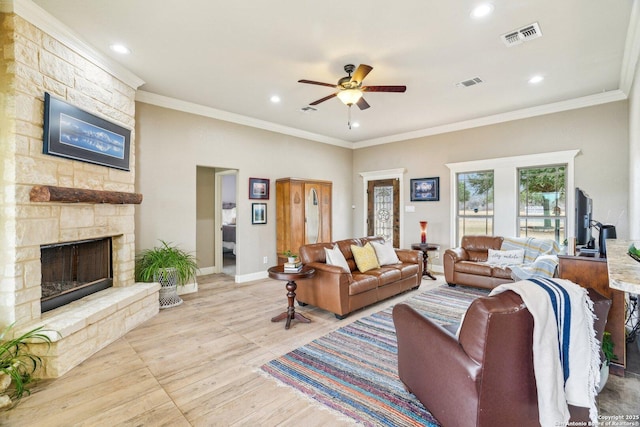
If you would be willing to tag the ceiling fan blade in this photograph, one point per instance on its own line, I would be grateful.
(311, 82)
(361, 73)
(384, 88)
(362, 104)
(323, 99)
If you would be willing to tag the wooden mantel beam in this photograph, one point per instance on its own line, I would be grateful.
(49, 193)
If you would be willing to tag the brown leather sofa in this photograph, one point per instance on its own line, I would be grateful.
(464, 265)
(485, 377)
(341, 292)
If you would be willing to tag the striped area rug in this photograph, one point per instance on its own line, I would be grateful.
(354, 370)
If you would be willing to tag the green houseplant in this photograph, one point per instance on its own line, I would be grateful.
(169, 266)
(18, 364)
(291, 257)
(607, 350)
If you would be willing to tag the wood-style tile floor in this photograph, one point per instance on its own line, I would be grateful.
(197, 365)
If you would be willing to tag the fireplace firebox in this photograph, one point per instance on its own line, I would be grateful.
(73, 270)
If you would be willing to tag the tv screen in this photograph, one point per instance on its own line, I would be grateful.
(584, 208)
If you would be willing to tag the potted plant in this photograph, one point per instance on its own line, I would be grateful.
(291, 257)
(607, 350)
(169, 266)
(17, 364)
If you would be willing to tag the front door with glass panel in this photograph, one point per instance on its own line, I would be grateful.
(383, 210)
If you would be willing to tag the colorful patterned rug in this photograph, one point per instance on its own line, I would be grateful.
(354, 370)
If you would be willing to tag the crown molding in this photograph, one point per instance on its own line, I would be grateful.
(556, 107)
(56, 29)
(201, 110)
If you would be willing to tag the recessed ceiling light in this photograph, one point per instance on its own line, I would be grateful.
(275, 99)
(120, 48)
(536, 79)
(482, 10)
(355, 125)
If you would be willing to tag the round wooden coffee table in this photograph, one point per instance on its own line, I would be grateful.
(278, 273)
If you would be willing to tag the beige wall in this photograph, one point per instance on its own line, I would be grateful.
(602, 167)
(170, 146)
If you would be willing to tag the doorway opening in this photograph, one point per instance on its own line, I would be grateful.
(216, 220)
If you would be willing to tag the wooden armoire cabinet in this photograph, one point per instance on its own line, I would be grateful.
(303, 214)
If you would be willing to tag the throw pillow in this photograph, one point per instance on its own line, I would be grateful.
(365, 257)
(334, 257)
(385, 253)
(514, 257)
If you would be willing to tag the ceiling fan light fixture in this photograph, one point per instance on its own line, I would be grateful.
(350, 96)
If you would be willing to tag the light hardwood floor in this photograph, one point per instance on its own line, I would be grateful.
(197, 365)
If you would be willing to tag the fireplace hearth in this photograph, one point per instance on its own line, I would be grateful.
(73, 270)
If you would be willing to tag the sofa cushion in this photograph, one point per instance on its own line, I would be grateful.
(470, 267)
(385, 275)
(513, 257)
(365, 257)
(501, 272)
(407, 270)
(362, 283)
(385, 253)
(334, 257)
(477, 247)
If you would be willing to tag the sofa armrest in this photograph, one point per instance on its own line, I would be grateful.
(327, 289)
(449, 259)
(433, 365)
(409, 256)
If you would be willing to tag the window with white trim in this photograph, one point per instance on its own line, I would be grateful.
(475, 204)
(542, 203)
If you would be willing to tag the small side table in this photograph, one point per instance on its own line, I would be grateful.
(425, 248)
(278, 273)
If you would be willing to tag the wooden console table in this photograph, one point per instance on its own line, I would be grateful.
(591, 272)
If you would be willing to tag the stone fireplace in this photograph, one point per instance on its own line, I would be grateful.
(33, 62)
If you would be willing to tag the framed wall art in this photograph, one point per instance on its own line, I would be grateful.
(258, 213)
(75, 134)
(258, 188)
(425, 189)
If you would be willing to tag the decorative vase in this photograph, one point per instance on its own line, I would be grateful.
(423, 232)
(168, 279)
(291, 259)
(604, 376)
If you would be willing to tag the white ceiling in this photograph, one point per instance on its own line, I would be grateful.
(232, 56)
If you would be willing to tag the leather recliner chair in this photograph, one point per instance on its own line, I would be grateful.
(485, 377)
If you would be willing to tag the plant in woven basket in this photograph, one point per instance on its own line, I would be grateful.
(18, 364)
(151, 262)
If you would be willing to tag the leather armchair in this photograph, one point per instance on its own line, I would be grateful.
(485, 377)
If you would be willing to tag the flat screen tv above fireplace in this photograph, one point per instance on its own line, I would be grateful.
(73, 270)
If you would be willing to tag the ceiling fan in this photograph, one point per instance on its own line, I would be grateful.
(350, 88)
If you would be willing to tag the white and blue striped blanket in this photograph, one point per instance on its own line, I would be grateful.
(540, 256)
(566, 354)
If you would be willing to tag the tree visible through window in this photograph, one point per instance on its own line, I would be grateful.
(542, 202)
(475, 204)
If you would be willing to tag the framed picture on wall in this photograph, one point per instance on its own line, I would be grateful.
(258, 188)
(258, 213)
(75, 134)
(425, 189)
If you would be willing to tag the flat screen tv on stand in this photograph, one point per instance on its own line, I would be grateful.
(584, 211)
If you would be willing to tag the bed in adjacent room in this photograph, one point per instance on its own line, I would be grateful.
(229, 227)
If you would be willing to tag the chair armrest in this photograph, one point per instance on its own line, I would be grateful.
(434, 367)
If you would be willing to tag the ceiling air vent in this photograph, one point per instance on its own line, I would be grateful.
(470, 82)
(522, 35)
(308, 109)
